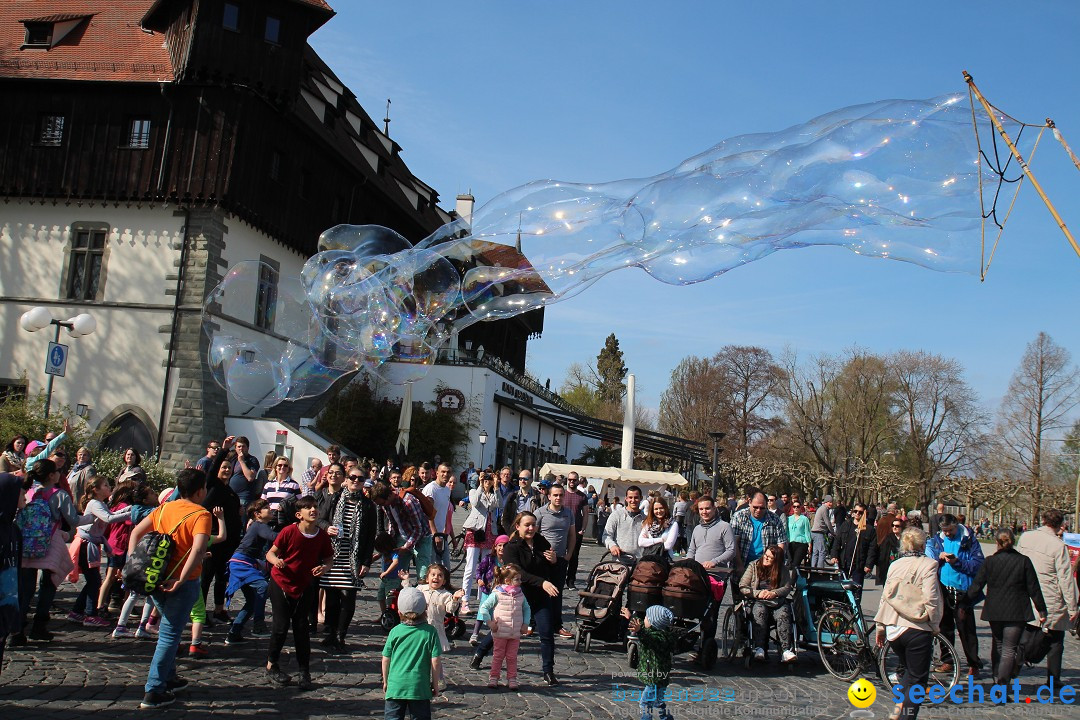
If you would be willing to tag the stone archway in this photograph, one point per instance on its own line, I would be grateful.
(131, 427)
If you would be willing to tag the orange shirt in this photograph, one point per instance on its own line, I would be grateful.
(183, 520)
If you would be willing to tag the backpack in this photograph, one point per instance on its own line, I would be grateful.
(37, 524)
(152, 554)
(426, 503)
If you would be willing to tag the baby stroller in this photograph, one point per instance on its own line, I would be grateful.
(688, 593)
(599, 607)
(647, 584)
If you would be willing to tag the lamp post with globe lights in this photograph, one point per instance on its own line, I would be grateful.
(483, 441)
(39, 318)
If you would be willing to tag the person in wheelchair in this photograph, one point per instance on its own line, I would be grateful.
(769, 585)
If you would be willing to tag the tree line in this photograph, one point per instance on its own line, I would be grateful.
(905, 425)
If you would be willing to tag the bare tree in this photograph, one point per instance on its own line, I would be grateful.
(752, 379)
(691, 405)
(939, 418)
(1042, 391)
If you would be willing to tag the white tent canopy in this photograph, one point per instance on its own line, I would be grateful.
(616, 480)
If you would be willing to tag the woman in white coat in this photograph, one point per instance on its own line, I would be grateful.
(479, 532)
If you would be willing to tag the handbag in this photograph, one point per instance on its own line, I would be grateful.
(479, 536)
(906, 597)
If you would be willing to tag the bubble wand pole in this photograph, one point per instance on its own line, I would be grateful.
(1023, 163)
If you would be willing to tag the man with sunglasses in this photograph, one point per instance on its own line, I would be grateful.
(755, 528)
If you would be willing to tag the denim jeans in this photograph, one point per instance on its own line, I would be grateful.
(818, 551)
(422, 552)
(395, 709)
(441, 556)
(86, 602)
(175, 608)
(651, 698)
(254, 604)
(543, 619)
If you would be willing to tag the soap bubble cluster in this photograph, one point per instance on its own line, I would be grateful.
(892, 179)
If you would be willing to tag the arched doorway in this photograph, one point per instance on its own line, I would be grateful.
(129, 431)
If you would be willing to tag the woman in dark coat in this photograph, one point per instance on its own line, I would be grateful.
(854, 548)
(889, 549)
(1011, 587)
(533, 554)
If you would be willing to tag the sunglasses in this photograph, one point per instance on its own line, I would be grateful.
(213, 447)
(796, 505)
(282, 465)
(897, 525)
(856, 512)
(355, 478)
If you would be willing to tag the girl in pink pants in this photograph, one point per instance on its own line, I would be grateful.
(507, 614)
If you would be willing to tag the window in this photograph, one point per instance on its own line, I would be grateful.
(51, 130)
(38, 35)
(275, 165)
(272, 34)
(139, 133)
(266, 300)
(231, 18)
(14, 390)
(85, 266)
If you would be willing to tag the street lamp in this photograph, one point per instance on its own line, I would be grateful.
(39, 318)
(483, 442)
(716, 438)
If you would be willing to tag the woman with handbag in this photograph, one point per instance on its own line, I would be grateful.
(909, 615)
(659, 532)
(479, 535)
(770, 583)
(1012, 585)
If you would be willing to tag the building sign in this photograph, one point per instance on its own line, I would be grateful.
(450, 401)
(516, 393)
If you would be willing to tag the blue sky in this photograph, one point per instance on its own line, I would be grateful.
(490, 95)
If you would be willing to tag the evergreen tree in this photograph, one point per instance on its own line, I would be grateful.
(611, 371)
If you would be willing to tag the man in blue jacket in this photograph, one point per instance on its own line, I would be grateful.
(959, 557)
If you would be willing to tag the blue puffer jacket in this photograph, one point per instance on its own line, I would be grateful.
(968, 558)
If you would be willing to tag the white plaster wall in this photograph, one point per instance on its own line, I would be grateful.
(121, 363)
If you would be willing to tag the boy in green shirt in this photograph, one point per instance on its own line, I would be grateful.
(411, 667)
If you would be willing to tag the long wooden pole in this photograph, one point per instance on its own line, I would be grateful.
(1023, 163)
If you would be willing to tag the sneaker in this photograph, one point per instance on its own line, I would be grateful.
(549, 678)
(198, 651)
(175, 684)
(154, 700)
(95, 621)
(121, 631)
(76, 617)
(277, 677)
(944, 668)
(259, 630)
(234, 639)
(759, 653)
(475, 662)
(474, 639)
(153, 628)
(493, 682)
(512, 684)
(222, 616)
(529, 631)
(564, 633)
(142, 633)
(305, 681)
(788, 656)
(465, 609)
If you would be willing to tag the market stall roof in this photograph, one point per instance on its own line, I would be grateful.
(625, 475)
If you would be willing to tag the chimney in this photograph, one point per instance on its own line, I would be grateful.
(464, 207)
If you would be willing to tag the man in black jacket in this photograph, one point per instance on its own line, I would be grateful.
(524, 498)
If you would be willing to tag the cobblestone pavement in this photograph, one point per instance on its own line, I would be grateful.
(86, 674)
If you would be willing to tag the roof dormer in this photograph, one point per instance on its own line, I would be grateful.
(47, 32)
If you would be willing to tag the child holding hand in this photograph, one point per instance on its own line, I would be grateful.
(657, 645)
(507, 614)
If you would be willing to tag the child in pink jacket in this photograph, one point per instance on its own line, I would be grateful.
(507, 614)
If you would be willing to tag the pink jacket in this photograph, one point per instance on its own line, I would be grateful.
(508, 615)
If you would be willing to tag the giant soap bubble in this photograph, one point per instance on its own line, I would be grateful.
(895, 179)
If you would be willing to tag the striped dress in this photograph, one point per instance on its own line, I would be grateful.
(341, 575)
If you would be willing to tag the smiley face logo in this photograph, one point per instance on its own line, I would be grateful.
(862, 694)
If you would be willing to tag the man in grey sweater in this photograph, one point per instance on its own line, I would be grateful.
(713, 545)
(821, 529)
(556, 524)
(624, 526)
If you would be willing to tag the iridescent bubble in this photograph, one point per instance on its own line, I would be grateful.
(892, 179)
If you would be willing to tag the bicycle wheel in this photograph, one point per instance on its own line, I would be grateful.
(839, 644)
(944, 665)
(457, 551)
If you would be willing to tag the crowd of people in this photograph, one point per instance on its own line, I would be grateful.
(258, 531)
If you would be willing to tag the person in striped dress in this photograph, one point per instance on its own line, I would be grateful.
(353, 535)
